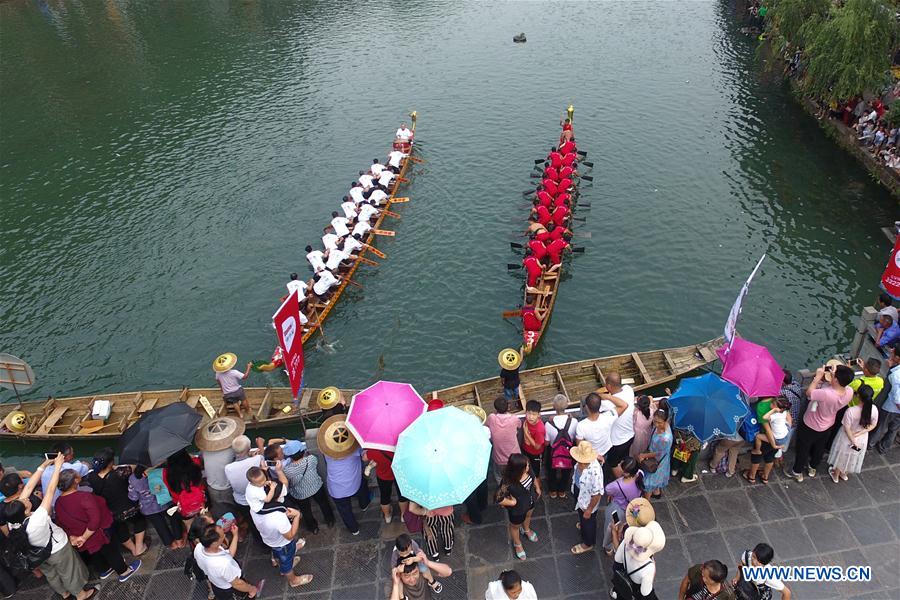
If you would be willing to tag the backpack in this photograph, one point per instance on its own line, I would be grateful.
(750, 427)
(19, 555)
(749, 590)
(559, 449)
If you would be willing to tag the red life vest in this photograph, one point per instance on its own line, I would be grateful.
(561, 199)
(533, 267)
(567, 127)
(550, 186)
(543, 236)
(538, 249)
(529, 319)
(551, 173)
(545, 198)
(559, 215)
(566, 172)
(555, 250)
(568, 160)
(563, 185)
(543, 215)
(556, 159)
(556, 234)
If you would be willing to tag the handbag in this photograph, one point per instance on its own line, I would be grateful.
(681, 453)
(413, 522)
(649, 465)
(622, 583)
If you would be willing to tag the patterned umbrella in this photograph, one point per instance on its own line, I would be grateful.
(752, 368)
(442, 457)
(708, 407)
(379, 413)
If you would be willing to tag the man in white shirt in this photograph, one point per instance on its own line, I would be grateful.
(366, 212)
(366, 180)
(297, 285)
(378, 196)
(340, 224)
(349, 207)
(68, 453)
(510, 587)
(386, 177)
(394, 160)
(352, 244)
(216, 560)
(361, 229)
(404, 133)
(316, 259)
(278, 530)
(596, 427)
(621, 399)
(376, 167)
(331, 241)
(336, 257)
(324, 281)
(356, 193)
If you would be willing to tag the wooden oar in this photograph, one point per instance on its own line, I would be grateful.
(515, 246)
(527, 192)
(511, 313)
(578, 250)
(511, 266)
(416, 159)
(403, 180)
(399, 200)
(377, 252)
(384, 232)
(589, 165)
(538, 161)
(581, 153)
(353, 283)
(367, 261)
(582, 234)
(587, 177)
(391, 213)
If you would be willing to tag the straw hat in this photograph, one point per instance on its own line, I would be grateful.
(335, 438)
(224, 362)
(329, 397)
(476, 411)
(17, 421)
(639, 512)
(583, 452)
(644, 542)
(509, 358)
(218, 433)
(831, 363)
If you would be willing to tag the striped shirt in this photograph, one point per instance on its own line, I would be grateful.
(302, 476)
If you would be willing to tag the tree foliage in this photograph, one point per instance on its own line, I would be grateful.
(892, 116)
(794, 20)
(849, 51)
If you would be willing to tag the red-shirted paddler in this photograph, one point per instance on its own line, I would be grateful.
(544, 198)
(541, 214)
(563, 185)
(555, 232)
(538, 249)
(567, 147)
(551, 173)
(530, 320)
(562, 199)
(566, 173)
(532, 267)
(556, 159)
(540, 232)
(555, 250)
(568, 160)
(560, 214)
(550, 186)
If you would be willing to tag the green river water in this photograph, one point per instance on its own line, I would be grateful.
(163, 164)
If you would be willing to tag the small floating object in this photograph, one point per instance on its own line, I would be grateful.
(519, 39)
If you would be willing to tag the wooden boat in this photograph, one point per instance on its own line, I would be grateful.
(548, 284)
(70, 418)
(319, 313)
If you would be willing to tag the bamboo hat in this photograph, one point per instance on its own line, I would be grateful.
(218, 433)
(639, 513)
(509, 358)
(224, 362)
(17, 421)
(335, 439)
(583, 453)
(329, 397)
(476, 411)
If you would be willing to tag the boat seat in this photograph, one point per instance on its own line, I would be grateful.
(192, 400)
(51, 420)
(147, 405)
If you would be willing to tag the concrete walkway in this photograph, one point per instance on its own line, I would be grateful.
(811, 523)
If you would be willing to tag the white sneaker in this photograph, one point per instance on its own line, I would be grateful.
(388, 519)
(811, 472)
(691, 480)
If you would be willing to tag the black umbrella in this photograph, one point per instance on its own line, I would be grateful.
(158, 434)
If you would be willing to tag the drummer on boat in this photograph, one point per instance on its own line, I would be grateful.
(404, 137)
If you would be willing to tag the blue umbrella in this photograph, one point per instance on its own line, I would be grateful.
(708, 407)
(441, 457)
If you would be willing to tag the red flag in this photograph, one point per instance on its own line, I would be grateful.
(890, 280)
(290, 336)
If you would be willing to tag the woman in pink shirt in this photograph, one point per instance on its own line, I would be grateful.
(504, 429)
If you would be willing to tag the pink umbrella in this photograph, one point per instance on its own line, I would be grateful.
(752, 368)
(380, 413)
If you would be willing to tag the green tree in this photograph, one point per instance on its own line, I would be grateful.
(795, 20)
(892, 116)
(850, 52)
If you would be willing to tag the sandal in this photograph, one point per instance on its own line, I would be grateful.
(580, 549)
(304, 579)
(553, 494)
(520, 554)
(746, 475)
(531, 535)
(763, 480)
(436, 587)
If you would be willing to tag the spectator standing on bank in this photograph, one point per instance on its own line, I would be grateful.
(504, 429)
(883, 437)
(560, 435)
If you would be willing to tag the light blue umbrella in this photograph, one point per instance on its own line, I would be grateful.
(441, 457)
(708, 407)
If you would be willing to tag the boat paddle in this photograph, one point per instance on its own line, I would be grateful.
(514, 245)
(368, 261)
(511, 313)
(384, 232)
(510, 266)
(353, 283)
(587, 178)
(377, 252)
(400, 200)
(391, 213)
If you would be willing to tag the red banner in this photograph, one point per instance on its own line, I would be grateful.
(290, 336)
(890, 281)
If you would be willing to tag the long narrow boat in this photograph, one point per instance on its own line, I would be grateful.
(318, 315)
(548, 284)
(70, 418)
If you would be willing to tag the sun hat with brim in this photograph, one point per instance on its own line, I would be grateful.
(509, 358)
(329, 397)
(218, 433)
(476, 411)
(643, 542)
(292, 447)
(890, 311)
(335, 439)
(584, 453)
(833, 363)
(639, 512)
(224, 362)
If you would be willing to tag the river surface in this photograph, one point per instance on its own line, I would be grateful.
(162, 166)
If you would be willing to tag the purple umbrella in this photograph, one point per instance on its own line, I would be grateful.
(380, 413)
(752, 368)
